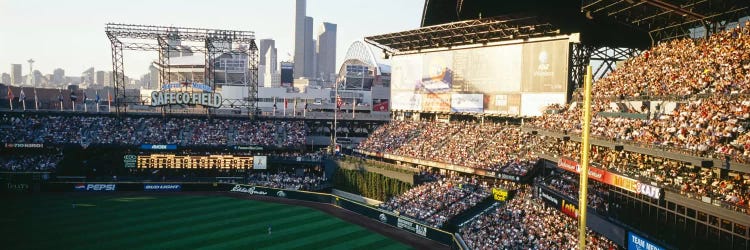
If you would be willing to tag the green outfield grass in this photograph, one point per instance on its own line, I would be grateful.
(110, 221)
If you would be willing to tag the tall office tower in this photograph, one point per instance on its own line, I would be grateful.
(267, 66)
(88, 76)
(5, 79)
(58, 76)
(16, 75)
(326, 52)
(265, 46)
(153, 74)
(309, 48)
(100, 77)
(300, 40)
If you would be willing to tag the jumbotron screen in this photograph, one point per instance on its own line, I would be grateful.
(513, 79)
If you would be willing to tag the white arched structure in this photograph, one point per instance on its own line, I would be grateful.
(361, 69)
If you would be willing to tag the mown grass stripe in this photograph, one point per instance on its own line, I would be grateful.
(378, 243)
(350, 232)
(137, 224)
(258, 234)
(72, 216)
(151, 212)
(192, 228)
(115, 226)
(65, 205)
(145, 228)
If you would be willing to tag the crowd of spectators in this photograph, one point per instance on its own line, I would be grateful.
(716, 65)
(56, 129)
(714, 76)
(287, 181)
(710, 127)
(568, 184)
(30, 162)
(489, 146)
(526, 223)
(731, 188)
(434, 203)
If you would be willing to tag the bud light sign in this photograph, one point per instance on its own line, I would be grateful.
(162, 187)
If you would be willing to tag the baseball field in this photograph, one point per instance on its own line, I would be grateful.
(144, 221)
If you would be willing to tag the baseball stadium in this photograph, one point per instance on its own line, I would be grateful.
(540, 124)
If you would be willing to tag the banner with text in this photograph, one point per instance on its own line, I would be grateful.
(613, 179)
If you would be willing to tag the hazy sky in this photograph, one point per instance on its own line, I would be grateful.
(70, 34)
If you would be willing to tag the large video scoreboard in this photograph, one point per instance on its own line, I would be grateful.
(512, 79)
(225, 162)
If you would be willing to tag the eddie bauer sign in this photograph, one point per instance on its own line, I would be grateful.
(162, 98)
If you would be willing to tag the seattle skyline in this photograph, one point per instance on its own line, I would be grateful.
(70, 35)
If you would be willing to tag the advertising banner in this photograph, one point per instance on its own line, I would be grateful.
(260, 162)
(159, 146)
(499, 194)
(24, 145)
(437, 72)
(501, 75)
(545, 66)
(406, 101)
(436, 102)
(612, 179)
(636, 242)
(108, 187)
(467, 103)
(162, 187)
(16, 186)
(380, 105)
(129, 161)
(507, 104)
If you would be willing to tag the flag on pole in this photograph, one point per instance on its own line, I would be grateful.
(274, 106)
(97, 100)
(286, 103)
(10, 97)
(59, 97)
(354, 106)
(36, 100)
(85, 98)
(109, 101)
(73, 99)
(339, 102)
(295, 107)
(304, 111)
(22, 96)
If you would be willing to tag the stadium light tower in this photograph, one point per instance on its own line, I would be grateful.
(31, 73)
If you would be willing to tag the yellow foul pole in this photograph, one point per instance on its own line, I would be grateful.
(584, 182)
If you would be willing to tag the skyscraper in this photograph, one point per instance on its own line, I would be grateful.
(100, 77)
(16, 75)
(88, 76)
(326, 52)
(5, 79)
(265, 46)
(58, 76)
(268, 64)
(309, 48)
(300, 40)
